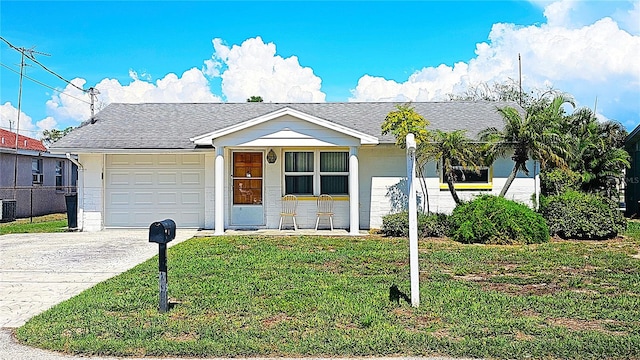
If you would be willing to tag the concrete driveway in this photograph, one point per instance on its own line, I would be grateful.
(38, 271)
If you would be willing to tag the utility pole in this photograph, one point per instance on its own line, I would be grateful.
(92, 94)
(29, 53)
(520, 76)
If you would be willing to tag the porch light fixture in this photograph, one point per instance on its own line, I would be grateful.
(271, 156)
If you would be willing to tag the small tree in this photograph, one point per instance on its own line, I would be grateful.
(53, 135)
(255, 99)
(405, 120)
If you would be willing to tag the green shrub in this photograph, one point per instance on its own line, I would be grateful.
(491, 219)
(577, 215)
(557, 181)
(397, 224)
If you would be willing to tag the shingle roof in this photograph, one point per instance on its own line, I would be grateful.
(8, 141)
(170, 125)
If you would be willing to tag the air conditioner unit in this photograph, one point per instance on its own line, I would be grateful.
(36, 178)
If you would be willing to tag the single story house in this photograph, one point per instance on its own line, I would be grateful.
(32, 177)
(632, 188)
(227, 165)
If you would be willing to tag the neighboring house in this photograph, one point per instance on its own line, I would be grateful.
(632, 191)
(227, 165)
(41, 179)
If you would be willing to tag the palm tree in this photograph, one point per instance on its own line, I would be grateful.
(532, 136)
(453, 150)
(597, 151)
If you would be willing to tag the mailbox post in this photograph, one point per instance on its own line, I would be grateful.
(162, 232)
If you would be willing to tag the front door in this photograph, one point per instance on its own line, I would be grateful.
(247, 208)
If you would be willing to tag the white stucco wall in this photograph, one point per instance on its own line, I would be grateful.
(384, 168)
(381, 168)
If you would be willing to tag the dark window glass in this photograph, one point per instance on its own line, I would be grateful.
(298, 162)
(334, 162)
(334, 184)
(299, 184)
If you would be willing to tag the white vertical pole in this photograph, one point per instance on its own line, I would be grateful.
(413, 221)
(354, 192)
(219, 191)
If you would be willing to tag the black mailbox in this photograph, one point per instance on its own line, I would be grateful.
(162, 232)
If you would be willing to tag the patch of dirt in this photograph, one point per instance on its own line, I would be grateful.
(272, 321)
(349, 326)
(528, 289)
(443, 333)
(43, 218)
(523, 337)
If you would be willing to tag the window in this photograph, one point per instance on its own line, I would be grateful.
(36, 171)
(303, 175)
(469, 178)
(298, 169)
(334, 173)
(60, 175)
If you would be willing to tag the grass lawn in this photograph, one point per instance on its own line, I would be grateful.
(40, 224)
(314, 296)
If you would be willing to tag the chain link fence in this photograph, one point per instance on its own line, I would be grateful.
(31, 201)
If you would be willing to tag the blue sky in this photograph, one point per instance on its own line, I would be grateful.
(163, 51)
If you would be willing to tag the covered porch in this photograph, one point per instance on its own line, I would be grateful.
(259, 161)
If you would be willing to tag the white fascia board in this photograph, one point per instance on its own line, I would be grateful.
(207, 139)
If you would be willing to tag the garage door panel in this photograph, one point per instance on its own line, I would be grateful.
(143, 198)
(191, 198)
(167, 198)
(118, 218)
(167, 178)
(115, 178)
(143, 159)
(167, 159)
(191, 178)
(141, 189)
(143, 178)
(119, 198)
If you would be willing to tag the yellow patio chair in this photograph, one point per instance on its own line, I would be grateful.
(289, 205)
(325, 209)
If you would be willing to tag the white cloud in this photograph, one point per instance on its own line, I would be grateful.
(254, 69)
(9, 117)
(191, 87)
(596, 60)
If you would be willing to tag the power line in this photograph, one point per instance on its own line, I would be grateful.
(10, 129)
(29, 53)
(43, 84)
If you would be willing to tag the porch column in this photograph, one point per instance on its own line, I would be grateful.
(219, 192)
(354, 192)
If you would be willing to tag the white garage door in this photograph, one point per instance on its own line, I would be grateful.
(141, 189)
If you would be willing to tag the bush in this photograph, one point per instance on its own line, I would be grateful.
(436, 225)
(491, 219)
(558, 181)
(577, 215)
